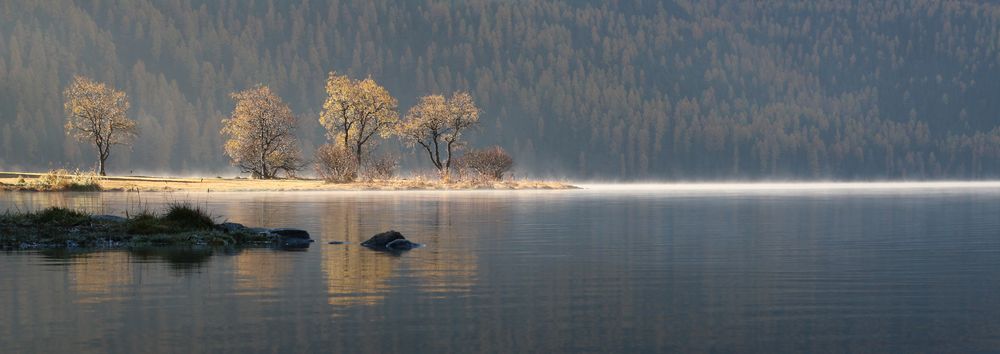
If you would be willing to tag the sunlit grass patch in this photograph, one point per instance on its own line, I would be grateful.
(60, 180)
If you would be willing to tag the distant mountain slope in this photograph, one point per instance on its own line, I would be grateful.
(626, 89)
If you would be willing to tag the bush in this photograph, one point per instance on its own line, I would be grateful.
(179, 217)
(489, 163)
(382, 168)
(59, 216)
(62, 180)
(186, 215)
(336, 164)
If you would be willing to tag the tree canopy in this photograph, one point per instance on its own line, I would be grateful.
(261, 134)
(98, 114)
(436, 125)
(355, 111)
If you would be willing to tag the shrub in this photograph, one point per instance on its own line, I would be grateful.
(59, 216)
(382, 168)
(489, 163)
(62, 180)
(179, 217)
(336, 164)
(188, 216)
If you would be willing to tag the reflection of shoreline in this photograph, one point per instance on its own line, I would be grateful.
(260, 270)
(448, 263)
(99, 277)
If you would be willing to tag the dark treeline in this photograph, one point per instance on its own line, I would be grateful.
(620, 89)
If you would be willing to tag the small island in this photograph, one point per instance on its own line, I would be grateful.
(180, 224)
(57, 181)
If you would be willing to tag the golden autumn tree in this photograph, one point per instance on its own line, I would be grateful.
(261, 134)
(356, 111)
(97, 113)
(436, 124)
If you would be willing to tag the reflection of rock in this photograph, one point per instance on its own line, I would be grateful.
(390, 240)
(356, 276)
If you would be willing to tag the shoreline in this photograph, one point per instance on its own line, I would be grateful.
(9, 181)
(179, 225)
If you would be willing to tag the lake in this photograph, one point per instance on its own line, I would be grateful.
(604, 269)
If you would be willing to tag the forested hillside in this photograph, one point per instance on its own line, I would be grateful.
(583, 89)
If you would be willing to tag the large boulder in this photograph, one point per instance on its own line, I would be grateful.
(389, 240)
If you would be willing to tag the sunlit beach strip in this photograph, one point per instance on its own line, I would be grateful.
(792, 186)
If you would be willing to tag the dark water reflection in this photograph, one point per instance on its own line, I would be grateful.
(581, 271)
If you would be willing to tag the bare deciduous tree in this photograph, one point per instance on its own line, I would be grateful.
(97, 113)
(356, 111)
(436, 124)
(261, 134)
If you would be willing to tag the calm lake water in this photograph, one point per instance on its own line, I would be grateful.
(622, 270)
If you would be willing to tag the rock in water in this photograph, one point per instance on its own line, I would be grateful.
(292, 237)
(389, 240)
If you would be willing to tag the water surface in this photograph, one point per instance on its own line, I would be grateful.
(611, 270)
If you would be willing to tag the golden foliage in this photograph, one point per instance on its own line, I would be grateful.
(436, 123)
(357, 110)
(261, 134)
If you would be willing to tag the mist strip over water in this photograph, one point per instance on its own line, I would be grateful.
(739, 186)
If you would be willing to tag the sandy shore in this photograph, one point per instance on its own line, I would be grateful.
(143, 183)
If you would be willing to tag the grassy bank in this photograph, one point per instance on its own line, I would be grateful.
(56, 180)
(179, 225)
(25, 181)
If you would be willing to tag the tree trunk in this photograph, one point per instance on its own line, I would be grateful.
(102, 155)
(357, 156)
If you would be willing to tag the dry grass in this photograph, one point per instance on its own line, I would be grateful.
(55, 180)
(150, 184)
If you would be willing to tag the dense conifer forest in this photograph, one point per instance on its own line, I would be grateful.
(633, 90)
